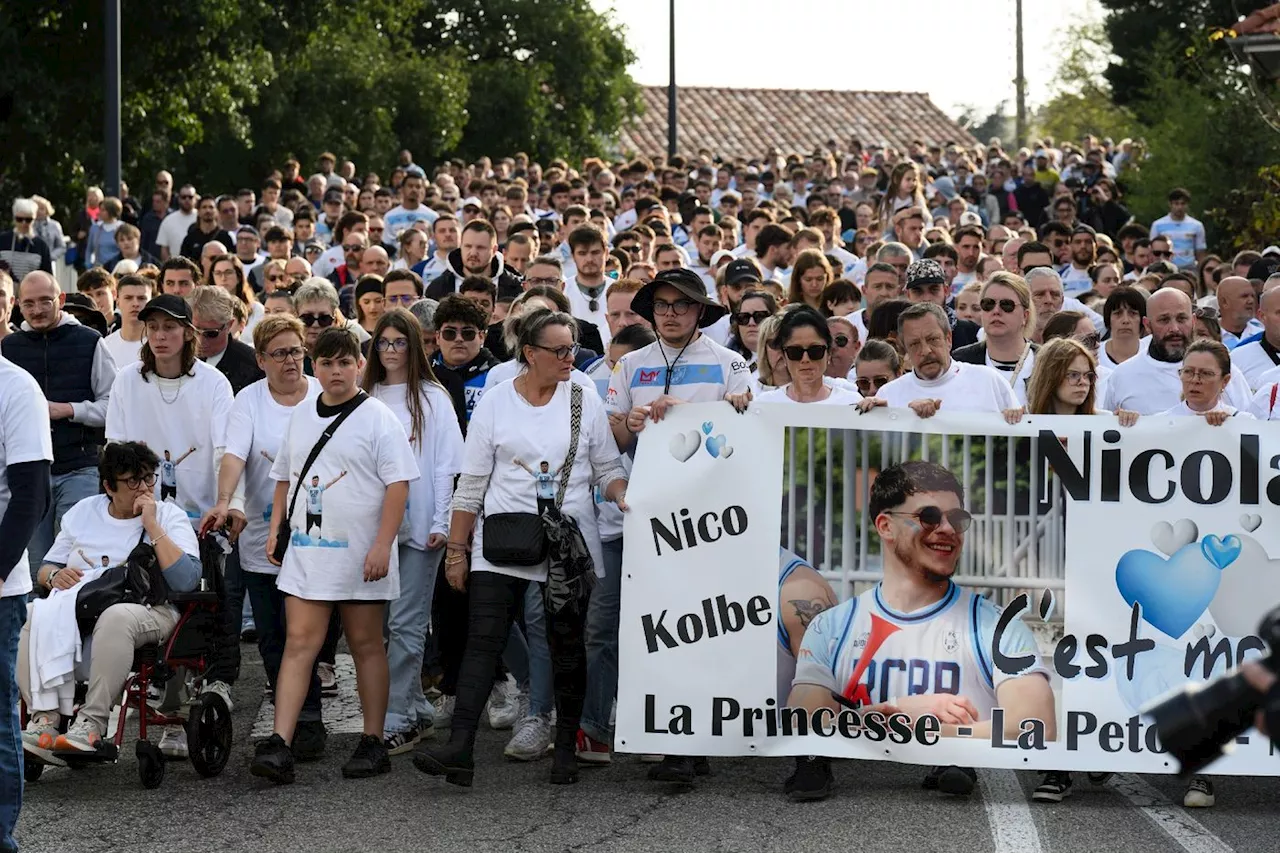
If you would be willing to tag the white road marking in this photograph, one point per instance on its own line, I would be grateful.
(341, 713)
(1013, 829)
(1173, 818)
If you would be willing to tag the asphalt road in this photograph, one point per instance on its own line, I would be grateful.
(877, 806)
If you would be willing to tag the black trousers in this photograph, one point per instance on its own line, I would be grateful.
(495, 603)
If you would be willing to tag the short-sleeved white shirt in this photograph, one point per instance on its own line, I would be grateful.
(961, 388)
(703, 373)
(24, 437)
(1149, 387)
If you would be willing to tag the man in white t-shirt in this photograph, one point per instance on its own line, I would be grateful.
(411, 209)
(1148, 383)
(1084, 253)
(937, 381)
(174, 228)
(881, 284)
(1258, 358)
(1185, 233)
(125, 343)
(26, 457)
(586, 289)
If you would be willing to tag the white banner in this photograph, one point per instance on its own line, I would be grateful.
(1154, 540)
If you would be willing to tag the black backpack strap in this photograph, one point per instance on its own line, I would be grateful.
(352, 405)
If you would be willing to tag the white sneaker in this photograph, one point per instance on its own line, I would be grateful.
(328, 679)
(222, 689)
(173, 744)
(83, 736)
(533, 736)
(39, 735)
(504, 707)
(1199, 794)
(444, 712)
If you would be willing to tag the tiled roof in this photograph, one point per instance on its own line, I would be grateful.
(747, 122)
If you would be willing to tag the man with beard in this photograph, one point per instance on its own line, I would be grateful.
(1084, 254)
(1237, 311)
(917, 613)
(937, 381)
(1148, 383)
(477, 254)
(585, 289)
(205, 230)
(411, 209)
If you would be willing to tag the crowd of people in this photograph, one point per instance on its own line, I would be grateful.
(485, 344)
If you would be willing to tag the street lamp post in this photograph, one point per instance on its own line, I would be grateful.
(671, 87)
(111, 142)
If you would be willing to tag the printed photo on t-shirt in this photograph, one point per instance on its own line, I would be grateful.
(169, 479)
(544, 479)
(315, 516)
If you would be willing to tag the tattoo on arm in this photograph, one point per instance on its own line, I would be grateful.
(807, 609)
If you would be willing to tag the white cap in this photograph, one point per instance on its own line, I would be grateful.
(721, 255)
(970, 218)
(471, 200)
(1271, 250)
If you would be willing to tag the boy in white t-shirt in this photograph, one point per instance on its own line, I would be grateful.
(349, 560)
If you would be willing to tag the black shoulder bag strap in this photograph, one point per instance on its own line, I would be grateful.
(575, 431)
(352, 405)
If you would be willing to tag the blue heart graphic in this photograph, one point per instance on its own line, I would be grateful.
(1173, 593)
(1221, 552)
(714, 445)
(707, 426)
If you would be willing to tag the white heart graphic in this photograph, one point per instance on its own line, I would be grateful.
(1170, 537)
(1250, 522)
(685, 444)
(726, 452)
(1250, 587)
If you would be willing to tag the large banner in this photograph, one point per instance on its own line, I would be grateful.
(1172, 557)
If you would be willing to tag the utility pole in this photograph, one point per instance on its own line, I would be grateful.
(671, 88)
(111, 140)
(1020, 82)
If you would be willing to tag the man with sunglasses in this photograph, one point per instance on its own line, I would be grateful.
(316, 304)
(845, 345)
(213, 312)
(1185, 233)
(857, 652)
(174, 228)
(460, 331)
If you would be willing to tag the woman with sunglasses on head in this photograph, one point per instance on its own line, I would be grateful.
(754, 308)
(399, 374)
(878, 364)
(520, 462)
(805, 341)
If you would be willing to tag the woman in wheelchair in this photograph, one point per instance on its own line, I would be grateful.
(97, 531)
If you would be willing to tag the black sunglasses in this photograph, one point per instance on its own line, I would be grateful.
(1156, 254)
(814, 351)
(1008, 306)
(931, 517)
(865, 383)
(452, 334)
(842, 341)
(210, 334)
(324, 321)
(744, 318)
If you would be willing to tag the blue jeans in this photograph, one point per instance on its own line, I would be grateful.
(528, 656)
(68, 490)
(13, 613)
(602, 645)
(268, 613)
(407, 619)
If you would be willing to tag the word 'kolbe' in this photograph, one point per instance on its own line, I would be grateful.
(686, 532)
(720, 616)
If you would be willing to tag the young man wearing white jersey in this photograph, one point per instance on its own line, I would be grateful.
(856, 653)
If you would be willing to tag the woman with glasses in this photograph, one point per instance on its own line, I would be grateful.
(227, 272)
(1065, 382)
(519, 459)
(274, 275)
(1205, 375)
(754, 308)
(370, 302)
(99, 532)
(878, 364)
(805, 341)
(259, 419)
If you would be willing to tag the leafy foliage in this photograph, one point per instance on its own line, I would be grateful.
(1081, 101)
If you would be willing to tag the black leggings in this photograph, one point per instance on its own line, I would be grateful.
(495, 602)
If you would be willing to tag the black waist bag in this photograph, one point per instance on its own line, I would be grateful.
(139, 580)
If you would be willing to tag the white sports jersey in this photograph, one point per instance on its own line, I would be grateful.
(787, 564)
(944, 647)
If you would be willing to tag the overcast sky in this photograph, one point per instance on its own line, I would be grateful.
(842, 44)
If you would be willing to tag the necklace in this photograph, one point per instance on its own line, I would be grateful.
(167, 400)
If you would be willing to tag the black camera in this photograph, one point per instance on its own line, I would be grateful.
(1197, 724)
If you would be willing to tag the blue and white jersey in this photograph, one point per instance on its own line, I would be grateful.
(703, 372)
(399, 218)
(787, 565)
(168, 473)
(315, 500)
(873, 654)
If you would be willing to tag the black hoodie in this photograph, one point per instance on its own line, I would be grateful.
(448, 282)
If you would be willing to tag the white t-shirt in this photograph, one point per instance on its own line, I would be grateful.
(256, 313)
(24, 437)
(1254, 362)
(1075, 281)
(840, 395)
(703, 373)
(1018, 384)
(1150, 387)
(1105, 360)
(254, 431)
(398, 218)
(173, 230)
(580, 307)
(500, 373)
(89, 534)
(439, 456)
(123, 353)
(858, 319)
(961, 388)
(1182, 410)
(1186, 236)
(1264, 406)
(182, 420)
(504, 428)
(336, 517)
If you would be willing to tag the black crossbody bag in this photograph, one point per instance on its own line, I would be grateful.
(138, 580)
(285, 531)
(520, 538)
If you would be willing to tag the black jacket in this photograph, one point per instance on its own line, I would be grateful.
(977, 353)
(588, 339)
(239, 365)
(509, 284)
(195, 241)
(963, 333)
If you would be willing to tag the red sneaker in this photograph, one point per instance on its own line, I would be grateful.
(592, 751)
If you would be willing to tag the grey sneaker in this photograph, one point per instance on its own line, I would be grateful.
(533, 736)
(444, 712)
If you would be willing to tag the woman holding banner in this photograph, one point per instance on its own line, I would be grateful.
(805, 341)
(1205, 374)
(1065, 382)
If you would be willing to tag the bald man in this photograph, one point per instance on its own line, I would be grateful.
(297, 269)
(75, 368)
(1237, 310)
(1260, 358)
(1148, 383)
(212, 248)
(375, 261)
(1009, 255)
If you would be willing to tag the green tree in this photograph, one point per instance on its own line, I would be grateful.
(1081, 102)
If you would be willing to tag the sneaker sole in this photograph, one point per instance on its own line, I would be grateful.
(407, 746)
(1049, 796)
(271, 774)
(599, 759)
(516, 755)
(44, 756)
(1201, 802)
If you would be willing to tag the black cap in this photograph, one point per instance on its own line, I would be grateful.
(168, 305)
(741, 271)
(925, 272)
(1081, 228)
(332, 194)
(690, 285)
(248, 229)
(85, 310)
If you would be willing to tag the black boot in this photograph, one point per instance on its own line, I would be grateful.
(679, 769)
(812, 779)
(452, 760)
(564, 766)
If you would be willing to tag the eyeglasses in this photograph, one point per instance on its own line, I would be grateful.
(680, 307)
(842, 341)
(865, 383)
(402, 299)
(631, 250)
(1198, 375)
(385, 344)
(1208, 312)
(1090, 340)
(1008, 306)
(280, 356)
(352, 247)
(278, 277)
(324, 321)
(544, 282)
(23, 219)
(451, 334)
(814, 351)
(746, 318)
(184, 197)
(931, 517)
(561, 353)
(210, 334)
(136, 482)
(1156, 254)
(1079, 377)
